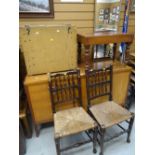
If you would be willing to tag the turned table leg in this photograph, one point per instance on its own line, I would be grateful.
(79, 52)
(115, 51)
(87, 56)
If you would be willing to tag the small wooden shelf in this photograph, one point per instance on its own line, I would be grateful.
(132, 54)
(132, 62)
(132, 84)
(133, 71)
(132, 78)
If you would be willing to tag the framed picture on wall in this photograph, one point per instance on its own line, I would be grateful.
(114, 10)
(118, 9)
(113, 17)
(36, 8)
(106, 16)
(106, 11)
(117, 18)
(100, 18)
(101, 12)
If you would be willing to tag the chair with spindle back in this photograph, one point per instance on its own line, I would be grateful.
(65, 91)
(108, 113)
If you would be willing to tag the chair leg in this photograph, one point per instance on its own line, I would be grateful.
(27, 127)
(57, 143)
(37, 129)
(94, 140)
(130, 128)
(102, 140)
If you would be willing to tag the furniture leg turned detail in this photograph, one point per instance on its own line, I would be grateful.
(87, 56)
(79, 52)
(94, 140)
(57, 143)
(115, 51)
(130, 128)
(67, 122)
(102, 132)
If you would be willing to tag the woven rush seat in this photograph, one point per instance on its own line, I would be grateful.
(109, 113)
(106, 114)
(72, 121)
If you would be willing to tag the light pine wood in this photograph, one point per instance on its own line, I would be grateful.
(74, 13)
(74, 7)
(131, 22)
(79, 24)
(120, 88)
(131, 17)
(39, 101)
(39, 97)
(79, 14)
(131, 29)
(74, 16)
(132, 54)
(84, 1)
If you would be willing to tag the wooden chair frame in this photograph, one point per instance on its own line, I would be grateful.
(68, 75)
(105, 81)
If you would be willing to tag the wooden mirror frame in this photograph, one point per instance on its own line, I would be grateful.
(39, 14)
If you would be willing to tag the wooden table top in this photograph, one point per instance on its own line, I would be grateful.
(104, 37)
(117, 67)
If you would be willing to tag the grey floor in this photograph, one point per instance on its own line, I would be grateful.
(44, 144)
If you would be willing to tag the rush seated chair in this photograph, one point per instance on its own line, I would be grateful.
(107, 113)
(65, 90)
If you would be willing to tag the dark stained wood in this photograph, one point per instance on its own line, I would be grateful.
(115, 50)
(22, 140)
(87, 55)
(38, 14)
(23, 116)
(65, 91)
(64, 87)
(79, 52)
(96, 38)
(96, 79)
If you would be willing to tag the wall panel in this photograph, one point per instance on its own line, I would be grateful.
(79, 14)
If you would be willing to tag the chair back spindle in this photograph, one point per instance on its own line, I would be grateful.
(65, 87)
(99, 83)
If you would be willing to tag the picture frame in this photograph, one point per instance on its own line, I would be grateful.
(106, 11)
(106, 16)
(118, 10)
(114, 10)
(113, 17)
(101, 18)
(101, 11)
(36, 8)
(117, 18)
(132, 7)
